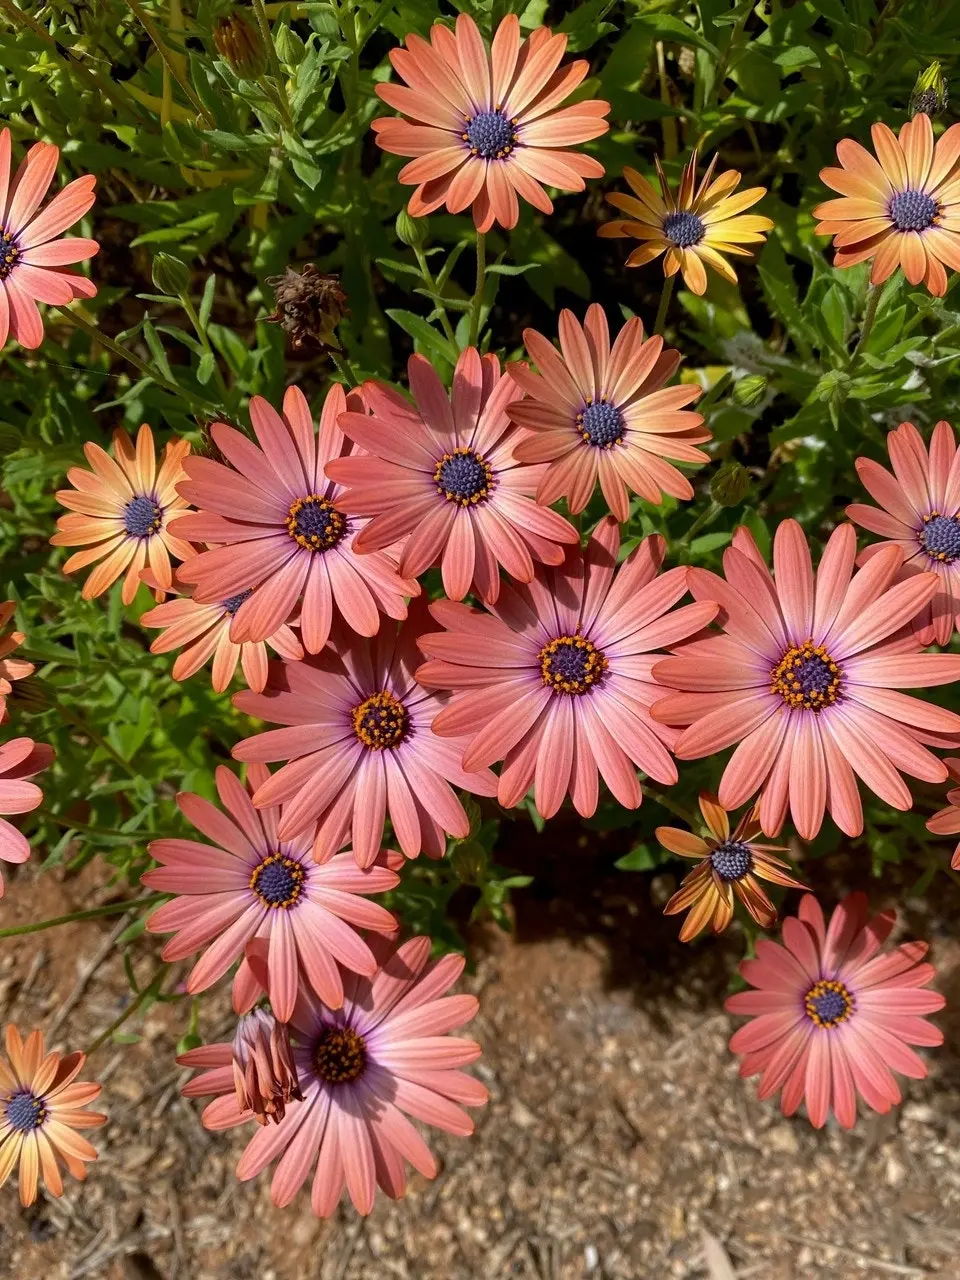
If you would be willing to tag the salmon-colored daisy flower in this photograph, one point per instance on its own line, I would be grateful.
(360, 747)
(730, 864)
(20, 760)
(596, 412)
(277, 530)
(919, 513)
(363, 1070)
(42, 1104)
(832, 1017)
(804, 678)
(10, 668)
(556, 683)
(485, 125)
(121, 512)
(694, 228)
(443, 477)
(264, 1072)
(253, 884)
(33, 261)
(946, 822)
(202, 631)
(900, 208)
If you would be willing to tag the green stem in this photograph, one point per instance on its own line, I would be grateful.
(111, 909)
(670, 805)
(705, 517)
(344, 366)
(431, 284)
(201, 333)
(111, 833)
(719, 388)
(152, 989)
(869, 316)
(78, 722)
(169, 60)
(476, 306)
(275, 69)
(665, 297)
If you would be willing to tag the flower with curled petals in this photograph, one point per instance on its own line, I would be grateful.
(277, 532)
(900, 208)
(20, 760)
(10, 668)
(33, 261)
(252, 885)
(832, 1016)
(946, 822)
(805, 678)
(599, 412)
(486, 125)
(443, 477)
(555, 679)
(363, 1070)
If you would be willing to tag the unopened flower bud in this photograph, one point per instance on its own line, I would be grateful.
(834, 386)
(469, 862)
(749, 391)
(410, 231)
(731, 484)
(290, 48)
(264, 1072)
(240, 46)
(930, 93)
(310, 305)
(170, 275)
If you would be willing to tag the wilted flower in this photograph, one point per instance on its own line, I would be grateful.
(309, 306)
(264, 1072)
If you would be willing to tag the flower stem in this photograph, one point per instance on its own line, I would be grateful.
(670, 805)
(170, 60)
(869, 316)
(110, 909)
(705, 517)
(477, 304)
(190, 309)
(150, 991)
(274, 62)
(431, 284)
(344, 366)
(665, 297)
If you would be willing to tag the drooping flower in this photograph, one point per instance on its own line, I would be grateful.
(595, 412)
(920, 514)
(443, 476)
(694, 228)
(42, 1104)
(121, 512)
(360, 746)
(946, 822)
(202, 631)
(805, 679)
(264, 1072)
(278, 534)
(10, 668)
(385, 1053)
(485, 125)
(730, 863)
(255, 883)
(33, 261)
(20, 760)
(832, 1018)
(900, 208)
(556, 683)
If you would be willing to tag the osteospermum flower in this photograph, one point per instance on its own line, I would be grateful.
(730, 864)
(920, 514)
(33, 261)
(444, 477)
(946, 822)
(20, 760)
(900, 208)
(10, 668)
(279, 535)
(693, 228)
(832, 1018)
(360, 746)
(486, 124)
(263, 1072)
(360, 1068)
(254, 884)
(202, 631)
(42, 1104)
(804, 678)
(596, 412)
(123, 508)
(556, 683)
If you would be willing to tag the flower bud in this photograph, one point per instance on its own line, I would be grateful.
(469, 862)
(930, 93)
(240, 46)
(290, 48)
(264, 1072)
(749, 391)
(410, 231)
(310, 305)
(834, 387)
(731, 484)
(170, 275)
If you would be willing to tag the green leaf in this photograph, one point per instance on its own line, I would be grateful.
(638, 859)
(424, 334)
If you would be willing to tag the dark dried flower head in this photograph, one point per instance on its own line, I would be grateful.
(240, 46)
(263, 1067)
(310, 305)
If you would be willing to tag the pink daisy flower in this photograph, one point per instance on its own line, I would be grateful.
(443, 476)
(831, 1017)
(946, 822)
(278, 533)
(804, 678)
(599, 412)
(256, 885)
(33, 261)
(360, 746)
(10, 668)
(919, 512)
(360, 1068)
(20, 760)
(485, 124)
(556, 681)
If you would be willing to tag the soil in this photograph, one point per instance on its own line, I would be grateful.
(619, 1141)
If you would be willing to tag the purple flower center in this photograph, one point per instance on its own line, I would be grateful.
(732, 860)
(601, 424)
(464, 477)
(278, 881)
(490, 135)
(340, 1055)
(142, 517)
(807, 678)
(9, 253)
(315, 524)
(940, 537)
(571, 664)
(233, 603)
(25, 1111)
(912, 210)
(828, 1003)
(380, 721)
(683, 228)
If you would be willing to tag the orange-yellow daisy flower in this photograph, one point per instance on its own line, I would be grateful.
(10, 668)
(900, 208)
(730, 863)
(693, 228)
(42, 1104)
(123, 508)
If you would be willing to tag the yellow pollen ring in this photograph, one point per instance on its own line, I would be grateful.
(464, 500)
(825, 987)
(785, 678)
(294, 870)
(303, 508)
(380, 721)
(594, 664)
